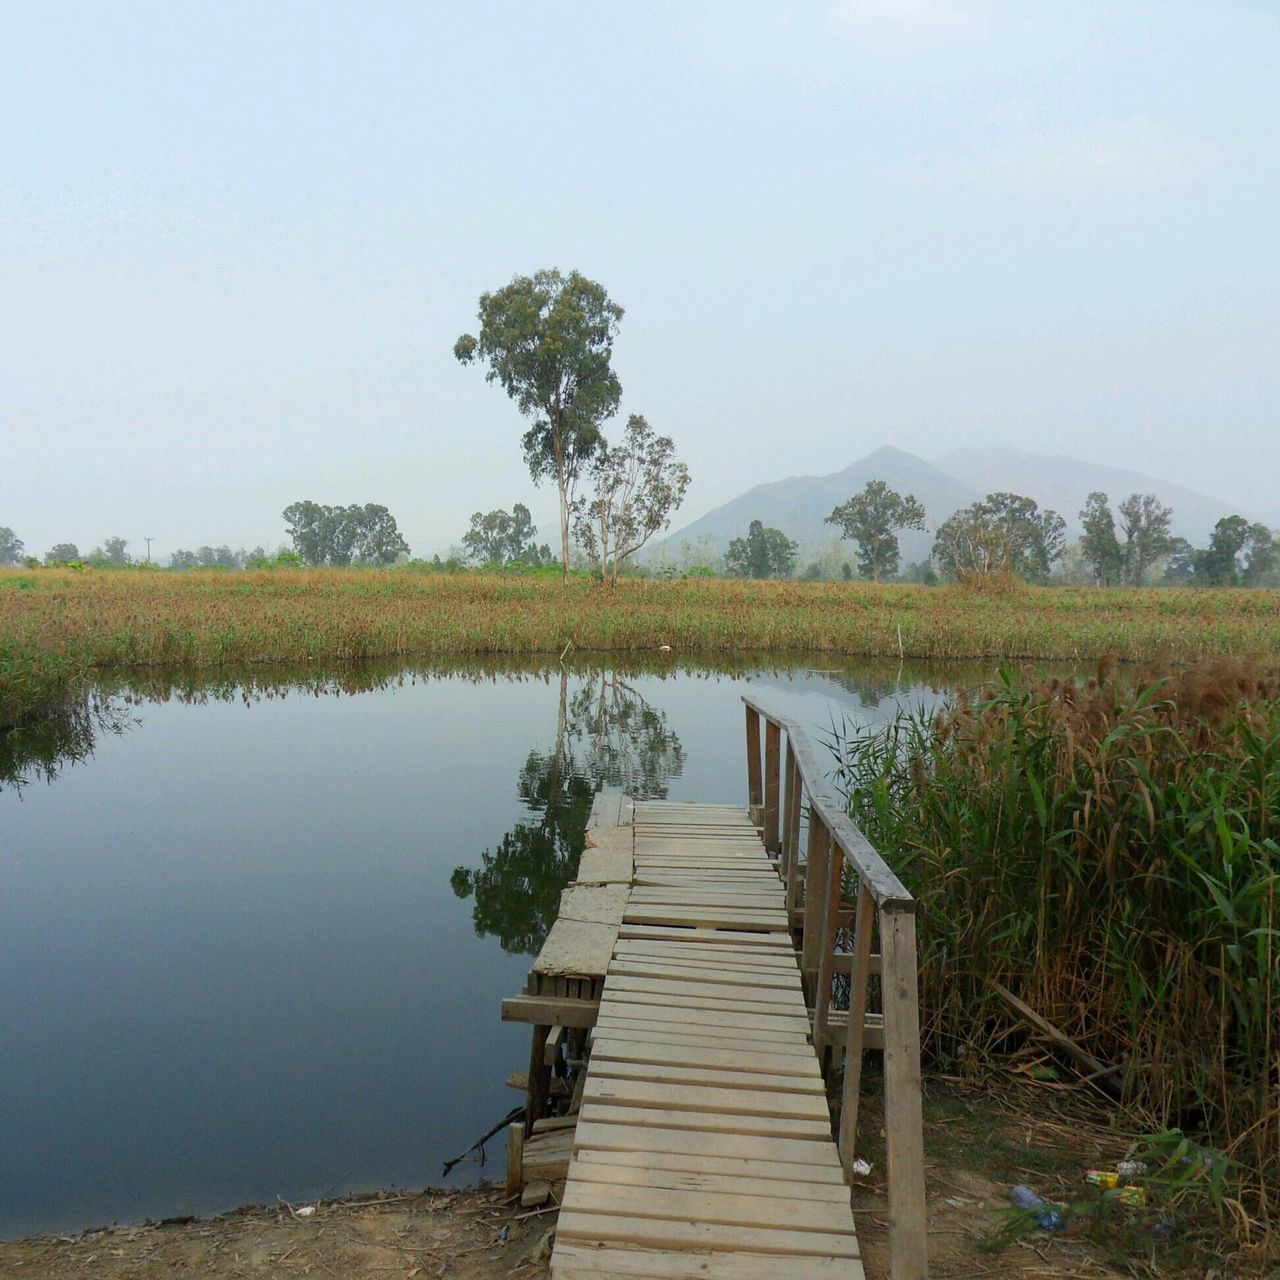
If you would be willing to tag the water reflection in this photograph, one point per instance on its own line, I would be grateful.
(41, 750)
(607, 735)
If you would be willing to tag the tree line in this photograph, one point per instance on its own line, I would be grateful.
(1008, 533)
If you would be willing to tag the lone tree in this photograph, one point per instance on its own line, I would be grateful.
(1100, 546)
(548, 339)
(11, 546)
(1239, 554)
(61, 553)
(1004, 533)
(1144, 521)
(503, 537)
(638, 484)
(871, 519)
(763, 553)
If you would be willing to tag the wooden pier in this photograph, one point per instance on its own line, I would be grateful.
(688, 998)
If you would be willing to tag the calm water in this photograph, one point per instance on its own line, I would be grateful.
(254, 943)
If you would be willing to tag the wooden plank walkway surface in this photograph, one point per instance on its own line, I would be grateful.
(704, 1144)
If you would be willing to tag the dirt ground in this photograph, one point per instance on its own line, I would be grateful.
(977, 1145)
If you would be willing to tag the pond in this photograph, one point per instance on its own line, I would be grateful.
(254, 933)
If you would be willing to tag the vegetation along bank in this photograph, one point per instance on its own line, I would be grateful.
(57, 626)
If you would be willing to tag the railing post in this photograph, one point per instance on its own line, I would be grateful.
(755, 793)
(815, 886)
(795, 783)
(822, 988)
(908, 1259)
(772, 740)
(860, 971)
(789, 800)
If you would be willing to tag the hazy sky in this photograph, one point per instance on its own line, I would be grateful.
(237, 242)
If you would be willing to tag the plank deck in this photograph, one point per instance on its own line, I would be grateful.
(704, 1145)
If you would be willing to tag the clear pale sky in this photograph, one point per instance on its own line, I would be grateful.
(237, 242)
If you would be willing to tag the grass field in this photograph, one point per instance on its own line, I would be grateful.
(57, 626)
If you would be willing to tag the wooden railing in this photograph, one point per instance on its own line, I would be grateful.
(781, 788)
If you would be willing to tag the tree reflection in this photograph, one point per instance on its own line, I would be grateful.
(39, 751)
(607, 735)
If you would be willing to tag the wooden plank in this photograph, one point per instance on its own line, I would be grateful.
(710, 973)
(755, 791)
(549, 1010)
(605, 809)
(746, 1184)
(594, 903)
(708, 1207)
(903, 1125)
(807, 1152)
(576, 949)
(705, 1019)
(690, 933)
(772, 740)
(645, 1118)
(667, 1072)
(578, 1261)
(680, 1096)
(815, 883)
(662, 1233)
(744, 919)
(712, 951)
(551, 1050)
(636, 1044)
(767, 1171)
(728, 993)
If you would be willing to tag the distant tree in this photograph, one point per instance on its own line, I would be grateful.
(503, 537)
(11, 546)
(112, 552)
(1239, 554)
(763, 553)
(637, 485)
(548, 340)
(1004, 533)
(1144, 521)
(61, 553)
(340, 536)
(1180, 561)
(846, 571)
(872, 519)
(1100, 546)
(182, 560)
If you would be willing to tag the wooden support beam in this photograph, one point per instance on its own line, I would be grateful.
(551, 1050)
(755, 791)
(855, 1031)
(772, 764)
(815, 886)
(904, 1143)
(822, 987)
(550, 1010)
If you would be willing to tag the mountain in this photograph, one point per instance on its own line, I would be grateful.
(799, 505)
(1064, 483)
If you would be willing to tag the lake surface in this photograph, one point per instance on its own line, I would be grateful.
(254, 935)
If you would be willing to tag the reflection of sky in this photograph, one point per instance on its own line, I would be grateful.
(233, 965)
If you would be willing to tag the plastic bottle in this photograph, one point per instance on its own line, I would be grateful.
(1045, 1214)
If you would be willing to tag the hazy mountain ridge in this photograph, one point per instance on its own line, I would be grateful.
(799, 505)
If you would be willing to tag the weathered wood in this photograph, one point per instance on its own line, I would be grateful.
(549, 1010)
(855, 1035)
(903, 1125)
(755, 792)
(576, 948)
(815, 885)
(772, 742)
(822, 986)
(1095, 1066)
(515, 1157)
(767, 1171)
(623, 1262)
(551, 1050)
(536, 1106)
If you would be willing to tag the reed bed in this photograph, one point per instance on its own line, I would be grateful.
(58, 625)
(1110, 851)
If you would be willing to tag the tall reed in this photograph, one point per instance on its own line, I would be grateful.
(1110, 851)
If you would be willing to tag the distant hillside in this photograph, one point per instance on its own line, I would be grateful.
(1064, 483)
(799, 505)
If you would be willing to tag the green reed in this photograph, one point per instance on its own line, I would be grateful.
(1111, 852)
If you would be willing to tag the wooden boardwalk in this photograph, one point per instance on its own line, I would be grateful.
(703, 1145)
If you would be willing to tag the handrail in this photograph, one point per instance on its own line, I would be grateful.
(879, 877)
(777, 794)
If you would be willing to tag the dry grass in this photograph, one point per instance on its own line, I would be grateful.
(56, 625)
